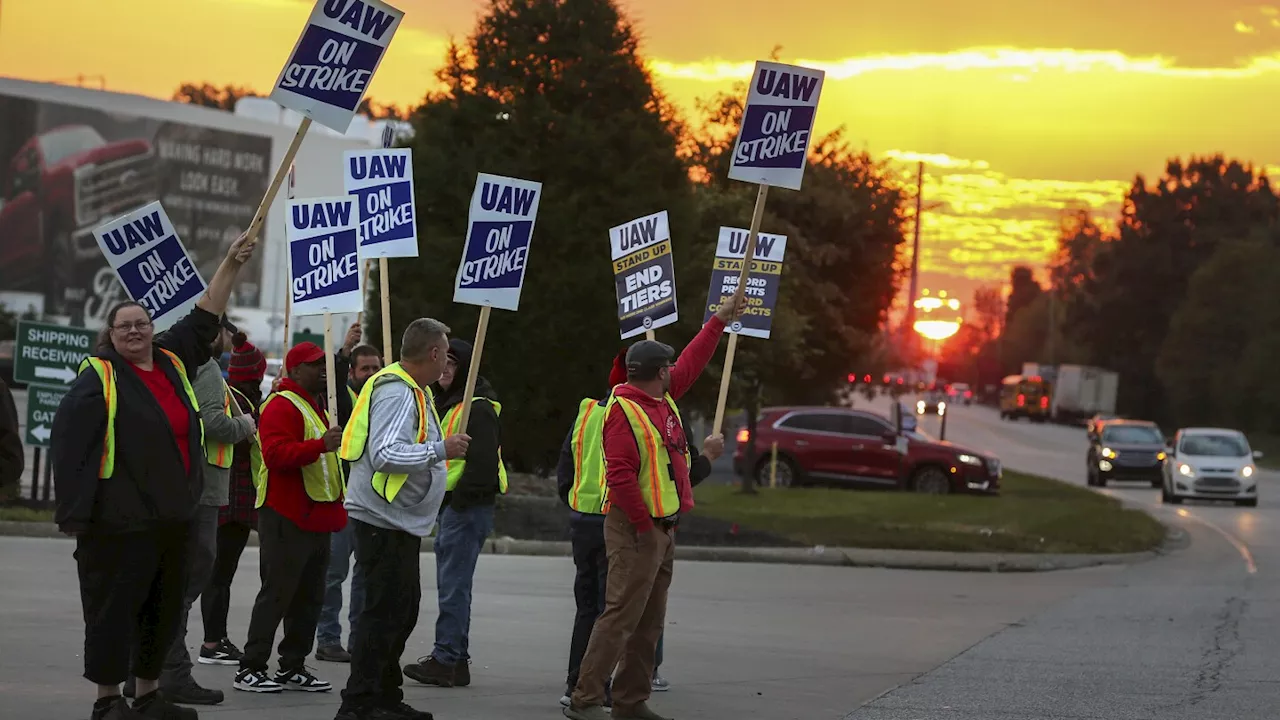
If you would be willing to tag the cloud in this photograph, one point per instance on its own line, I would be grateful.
(936, 160)
(1269, 11)
(1245, 29)
(982, 58)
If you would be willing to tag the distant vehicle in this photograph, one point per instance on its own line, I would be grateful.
(1126, 450)
(860, 449)
(960, 392)
(273, 369)
(1211, 464)
(1024, 396)
(1080, 392)
(1094, 424)
(933, 403)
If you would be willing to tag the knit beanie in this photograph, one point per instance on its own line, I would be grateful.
(618, 374)
(247, 362)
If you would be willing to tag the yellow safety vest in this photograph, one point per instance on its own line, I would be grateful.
(219, 454)
(321, 479)
(456, 465)
(656, 484)
(356, 434)
(589, 494)
(107, 376)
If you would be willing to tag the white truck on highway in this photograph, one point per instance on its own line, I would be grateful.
(1080, 392)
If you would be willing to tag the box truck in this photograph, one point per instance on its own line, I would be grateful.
(1080, 392)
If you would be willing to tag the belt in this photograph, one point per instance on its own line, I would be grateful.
(668, 522)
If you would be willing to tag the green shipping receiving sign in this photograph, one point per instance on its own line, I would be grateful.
(42, 403)
(48, 354)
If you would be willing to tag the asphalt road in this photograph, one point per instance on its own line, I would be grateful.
(1191, 635)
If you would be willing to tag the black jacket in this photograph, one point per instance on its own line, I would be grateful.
(479, 482)
(12, 459)
(699, 465)
(149, 486)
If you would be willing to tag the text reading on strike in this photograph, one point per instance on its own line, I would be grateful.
(326, 268)
(501, 260)
(168, 282)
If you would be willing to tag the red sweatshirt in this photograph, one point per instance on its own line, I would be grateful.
(285, 453)
(622, 455)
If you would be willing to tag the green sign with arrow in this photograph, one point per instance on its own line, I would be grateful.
(50, 354)
(42, 403)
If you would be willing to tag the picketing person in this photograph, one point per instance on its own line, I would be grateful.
(647, 463)
(12, 457)
(398, 454)
(128, 447)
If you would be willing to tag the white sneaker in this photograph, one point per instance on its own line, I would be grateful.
(659, 683)
(565, 701)
(256, 681)
(302, 680)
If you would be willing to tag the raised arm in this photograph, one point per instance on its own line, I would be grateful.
(215, 298)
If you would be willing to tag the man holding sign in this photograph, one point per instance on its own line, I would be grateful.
(647, 465)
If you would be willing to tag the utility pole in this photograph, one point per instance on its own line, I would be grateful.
(915, 258)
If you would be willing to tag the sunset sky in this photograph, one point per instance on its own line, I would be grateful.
(1021, 108)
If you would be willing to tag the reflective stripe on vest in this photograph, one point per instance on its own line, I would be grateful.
(355, 437)
(656, 484)
(456, 465)
(219, 454)
(110, 395)
(589, 494)
(351, 394)
(321, 479)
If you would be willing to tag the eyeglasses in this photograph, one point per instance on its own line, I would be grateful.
(140, 326)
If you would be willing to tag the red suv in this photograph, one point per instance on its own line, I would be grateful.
(830, 444)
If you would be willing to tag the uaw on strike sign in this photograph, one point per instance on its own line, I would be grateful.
(331, 65)
(499, 232)
(381, 181)
(644, 273)
(777, 125)
(761, 294)
(146, 254)
(324, 264)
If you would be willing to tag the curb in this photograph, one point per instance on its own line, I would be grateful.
(832, 557)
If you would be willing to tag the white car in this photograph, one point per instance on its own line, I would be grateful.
(273, 369)
(1211, 464)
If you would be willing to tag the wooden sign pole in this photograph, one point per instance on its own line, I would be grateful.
(384, 285)
(260, 217)
(331, 371)
(649, 335)
(473, 372)
(288, 291)
(364, 283)
(743, 275)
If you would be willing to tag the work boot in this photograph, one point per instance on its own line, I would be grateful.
(191, 693)
(156, 706)
(462, 673)
(113, 708)
(401, 711)
(593, 712)
(640, 712)
(333, 653)
(430, 671)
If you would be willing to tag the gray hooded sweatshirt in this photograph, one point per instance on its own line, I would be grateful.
(392, 448)
(211, 391)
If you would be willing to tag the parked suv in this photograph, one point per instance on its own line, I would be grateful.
(854, 447)
(1125, 450)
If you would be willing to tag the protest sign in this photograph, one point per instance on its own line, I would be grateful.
(47, 354)
(761, 293)
(644, 274)
(334, 59)
(499, 231)
(324, 264)
(153, 266)
(777, 125)
(382, 183)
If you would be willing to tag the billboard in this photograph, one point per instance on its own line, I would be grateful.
(65, 170)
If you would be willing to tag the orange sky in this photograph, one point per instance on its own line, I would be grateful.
(1021, 108)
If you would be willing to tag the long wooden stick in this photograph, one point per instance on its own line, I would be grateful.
(384, 284)
(649, 335)
(331, 371)
(724, 383)
(364, 284)
(260, 217)
(473, 372)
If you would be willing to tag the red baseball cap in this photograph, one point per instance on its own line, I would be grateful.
(302, 353)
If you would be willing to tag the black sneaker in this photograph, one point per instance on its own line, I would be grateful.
(332, 653)
(256, 681)
(401, 711)
(430, 671)
(155, 705)
(191, 693)
(225, 653)
(301, 679)
(116, 708)
(462, 673)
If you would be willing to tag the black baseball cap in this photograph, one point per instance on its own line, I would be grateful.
(649, 355)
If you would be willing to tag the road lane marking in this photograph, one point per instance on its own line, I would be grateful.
(1250, 566)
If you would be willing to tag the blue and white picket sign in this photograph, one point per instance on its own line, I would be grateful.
(324, 255)
(763, 283)
(335, 58)
(382, 183)
(777, 125)
(144, 251)
(499, 231)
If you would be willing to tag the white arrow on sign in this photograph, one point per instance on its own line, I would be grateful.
(41, 433)
(65, 374)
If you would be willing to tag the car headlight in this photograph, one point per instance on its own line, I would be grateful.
(1186, 470)
(1161, 456)
(1108, 453)
(920, 406)
(970, 460)
(1247, 471)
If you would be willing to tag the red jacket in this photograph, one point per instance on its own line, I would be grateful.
(622, 455)
(285, 454)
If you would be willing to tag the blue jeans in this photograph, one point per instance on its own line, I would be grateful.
(457, 548)
(329, 630)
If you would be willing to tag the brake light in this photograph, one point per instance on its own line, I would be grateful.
(968, 393)
(867, 379)
(1044, 402)
(744, 436)
(1022, 400)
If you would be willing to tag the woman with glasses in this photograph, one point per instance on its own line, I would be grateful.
(128, 456)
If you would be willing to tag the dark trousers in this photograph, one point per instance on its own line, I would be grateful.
(457, 549)
(131, 591)
(215, 603)
(293, 565)
(393, 591)
(591, 571)
(202, 550)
